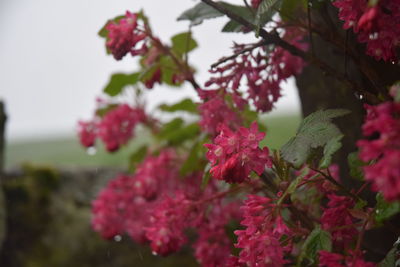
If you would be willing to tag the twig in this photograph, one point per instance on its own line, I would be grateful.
(340, 186)
(309, 27)
(224, 59)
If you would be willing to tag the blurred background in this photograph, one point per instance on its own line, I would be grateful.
(52, 67)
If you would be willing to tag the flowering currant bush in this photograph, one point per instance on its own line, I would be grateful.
(208, 183)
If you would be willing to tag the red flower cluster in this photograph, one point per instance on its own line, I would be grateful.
(262, 71)
(234, 155)
(375, 25)
(125, 205)
(384, 151)
(338, 220)
(124, 35)
(259, 241)
(157, 206)
(115, 128)
(214, 112)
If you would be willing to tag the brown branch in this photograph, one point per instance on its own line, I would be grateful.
(248, 49)
(273, 38)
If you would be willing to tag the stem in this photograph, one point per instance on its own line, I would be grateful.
(248, 49)
(360, 238)
(340, 186)
(301, 216)
(181, 65)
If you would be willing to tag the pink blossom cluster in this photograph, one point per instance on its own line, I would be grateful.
(115, 128)
(124, 35)
(330, 259)
(338, 220)
(124, 205)
(382, 149)
(260, 240)
(376, 25)
(214, 112)
(234, 155)
(262, 72)
(157, 206)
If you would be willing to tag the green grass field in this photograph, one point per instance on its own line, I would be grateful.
(68, 152)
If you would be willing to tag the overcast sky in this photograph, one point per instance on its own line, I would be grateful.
(53, 64)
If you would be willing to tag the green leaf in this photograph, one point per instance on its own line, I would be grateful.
(168, 70)
(315, 131)
(104, 110)
(137, 157)
(264, 13)
(175, 132)
(183, 43)
(317, 240)
(118, 81)
(185, 105)
(206, 176)
(392, 258)
(331, 147)
(232, 26)
(169, 127)
(199, 13)
(384, 210)
(194, 161)
(242, 11)
(187, 132)
(355, 165)
(289, 7)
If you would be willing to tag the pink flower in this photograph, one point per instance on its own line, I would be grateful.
(384, 151)
(378, 26)
(337, 219)
(214, 112)
(262, 73)
(235, 154)
(87, 133)
(255, 3)
(168, 221)
(124, 35)
(117, 126)
(259, 242)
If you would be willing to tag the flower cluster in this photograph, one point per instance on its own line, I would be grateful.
(155, 206)
(234, 155)
(376, 25)
(115, 128)
(338, 220)
(382, 124)
(125, 204)
(259, 241)
(124, 35)
(262, 71)
(214, 112)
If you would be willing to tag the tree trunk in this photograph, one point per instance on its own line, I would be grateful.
(318, 90)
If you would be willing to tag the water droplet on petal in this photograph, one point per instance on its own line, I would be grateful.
(117, 238)
(91, 151)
